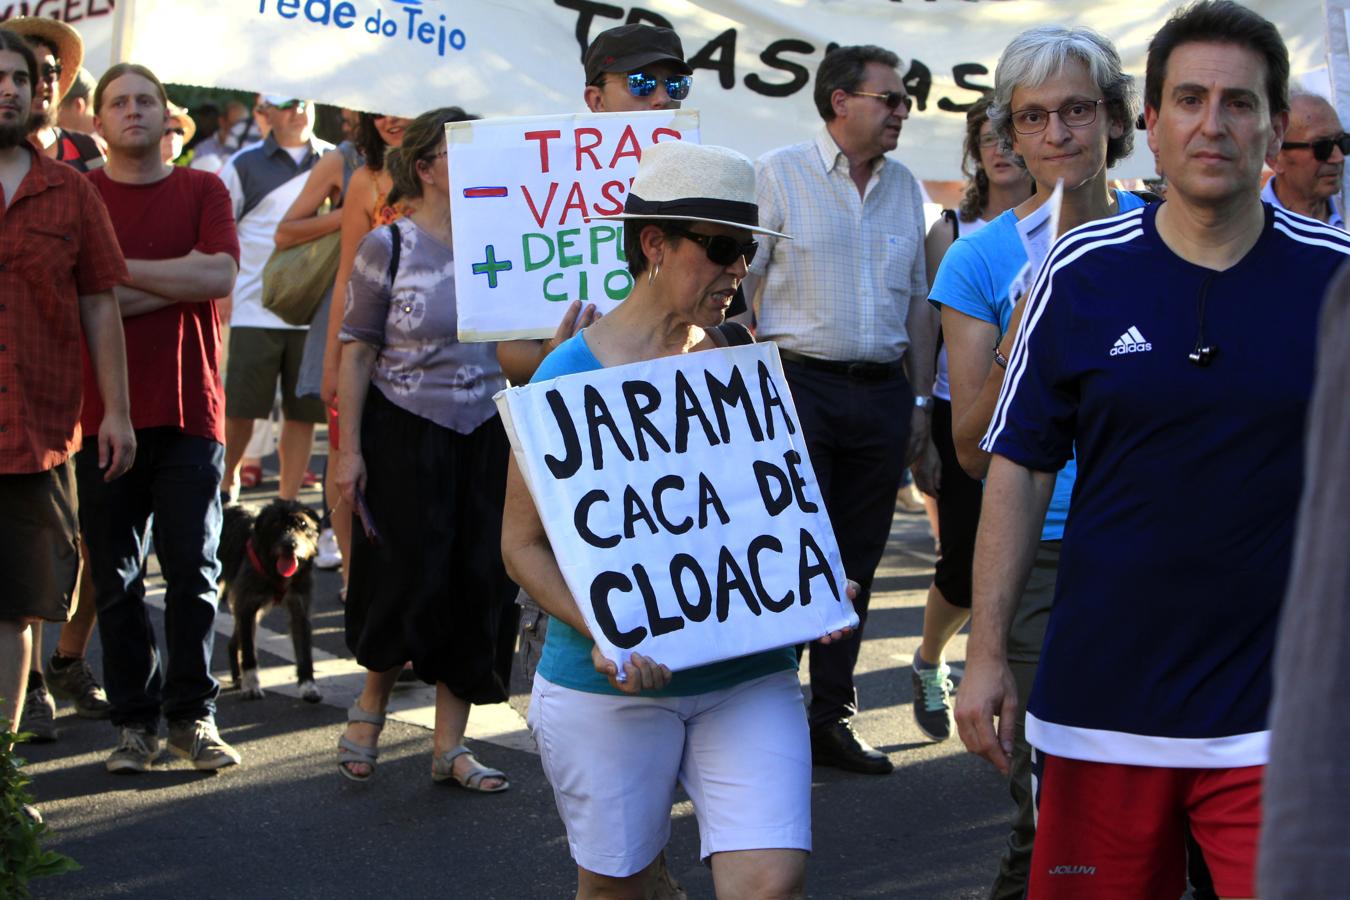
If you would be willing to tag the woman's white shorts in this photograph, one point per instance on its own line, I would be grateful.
(742, 753)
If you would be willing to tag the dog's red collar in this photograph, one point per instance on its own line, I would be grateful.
(280, 582)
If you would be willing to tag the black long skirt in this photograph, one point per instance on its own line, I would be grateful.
(432, 590)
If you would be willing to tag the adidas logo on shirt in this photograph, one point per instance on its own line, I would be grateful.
(1131, 342)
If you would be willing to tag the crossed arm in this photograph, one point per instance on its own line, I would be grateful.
(194, 278)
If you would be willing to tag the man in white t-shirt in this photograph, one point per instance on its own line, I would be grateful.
(263, 181)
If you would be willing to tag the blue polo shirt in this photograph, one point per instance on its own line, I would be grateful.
(976, 278)
(1181, 524)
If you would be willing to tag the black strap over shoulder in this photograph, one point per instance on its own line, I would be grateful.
(950, 216)
(735, 334)
(1147, 196)
(394, 253)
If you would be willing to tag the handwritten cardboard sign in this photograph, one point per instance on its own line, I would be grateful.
(681, 505)
(520, 189)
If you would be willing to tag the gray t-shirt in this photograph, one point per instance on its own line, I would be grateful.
(422, 367)
(1305, 836)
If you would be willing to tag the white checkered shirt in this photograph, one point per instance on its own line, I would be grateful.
(841, 288)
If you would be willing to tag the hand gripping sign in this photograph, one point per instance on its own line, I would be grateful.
(520, 189)
(681, 505)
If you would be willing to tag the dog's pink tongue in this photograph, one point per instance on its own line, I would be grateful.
(286, 566)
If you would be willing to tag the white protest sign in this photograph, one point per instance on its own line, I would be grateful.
(681, 505)
(1037, 232)
(520, 189)
(754, 61)
(93, 19)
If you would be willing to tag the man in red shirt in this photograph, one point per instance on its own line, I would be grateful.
(176, 229)
(59, 262)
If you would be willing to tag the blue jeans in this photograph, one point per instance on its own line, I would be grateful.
(171, 494)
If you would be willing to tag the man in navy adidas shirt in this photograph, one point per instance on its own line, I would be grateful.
(1173, 347)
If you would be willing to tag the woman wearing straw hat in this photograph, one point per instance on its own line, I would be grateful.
(733, 733)
(60, 51)
(178, 130)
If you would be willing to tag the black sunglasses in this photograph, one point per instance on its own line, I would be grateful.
(1321, 150)
(640, 84)
(50, 72)
(892, 99)
(721, 249)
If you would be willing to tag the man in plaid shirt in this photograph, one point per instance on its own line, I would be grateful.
(59, 262)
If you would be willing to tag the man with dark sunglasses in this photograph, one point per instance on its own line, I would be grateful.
(1311, 162)
(60, 51)
(844, 303)
(636, 67)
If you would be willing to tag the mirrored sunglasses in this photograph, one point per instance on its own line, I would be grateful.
(1321, 150)
(640, 84)
(721, 249)
(297, 105)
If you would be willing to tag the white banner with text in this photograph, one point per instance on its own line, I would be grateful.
(754, 60)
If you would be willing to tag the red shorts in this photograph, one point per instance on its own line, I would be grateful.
(1110, 831)
(332, 429)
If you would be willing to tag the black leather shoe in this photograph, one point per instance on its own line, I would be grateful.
(838, 745)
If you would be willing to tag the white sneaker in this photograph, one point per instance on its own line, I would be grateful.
(330, 556)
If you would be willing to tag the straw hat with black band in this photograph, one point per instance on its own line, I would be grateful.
(184, 119)
(67, 41)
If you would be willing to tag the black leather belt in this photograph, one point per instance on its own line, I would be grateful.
(858, 371)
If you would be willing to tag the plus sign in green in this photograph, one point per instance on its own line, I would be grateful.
(490, 267)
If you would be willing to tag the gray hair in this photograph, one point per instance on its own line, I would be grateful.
(1039, 54)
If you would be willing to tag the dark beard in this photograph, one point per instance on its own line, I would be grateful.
(12, 134)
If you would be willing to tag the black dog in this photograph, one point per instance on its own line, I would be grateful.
(268, 560)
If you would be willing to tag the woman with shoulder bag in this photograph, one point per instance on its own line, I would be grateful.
(423, 461)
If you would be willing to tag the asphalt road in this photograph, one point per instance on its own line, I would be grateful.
(285, 824)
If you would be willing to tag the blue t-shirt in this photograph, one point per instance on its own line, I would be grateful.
(974, 278)
(1174, 561)
(566, 658)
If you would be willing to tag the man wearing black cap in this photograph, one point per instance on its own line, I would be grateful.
(636, 67)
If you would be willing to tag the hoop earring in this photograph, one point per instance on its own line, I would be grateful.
(653, 272)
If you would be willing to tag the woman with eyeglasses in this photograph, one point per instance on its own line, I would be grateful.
(423, 462)
(995, 183)
(1064, 109)
(733, 733)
